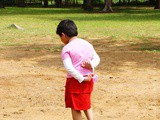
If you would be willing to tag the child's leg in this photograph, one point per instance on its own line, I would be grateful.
(76, 114)
(89, 114)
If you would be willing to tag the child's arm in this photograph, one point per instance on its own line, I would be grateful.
(93, 63)
(70, 69)
(88, 78)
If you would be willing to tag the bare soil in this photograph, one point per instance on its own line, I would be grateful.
(32, 83)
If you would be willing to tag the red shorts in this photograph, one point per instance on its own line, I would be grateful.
(78, 95)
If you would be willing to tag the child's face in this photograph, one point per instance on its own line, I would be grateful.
(64, 38)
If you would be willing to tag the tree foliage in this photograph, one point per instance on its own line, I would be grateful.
(58, 3)
(86, 4)
(21, 3)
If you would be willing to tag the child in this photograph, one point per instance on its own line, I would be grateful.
(79, 59)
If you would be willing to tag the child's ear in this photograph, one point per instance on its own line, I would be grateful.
(63, 34)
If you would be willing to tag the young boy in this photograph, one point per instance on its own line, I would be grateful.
(80, 59)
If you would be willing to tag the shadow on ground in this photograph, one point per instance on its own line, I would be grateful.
(113, 55)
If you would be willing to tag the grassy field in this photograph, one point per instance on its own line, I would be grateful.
(125, 24)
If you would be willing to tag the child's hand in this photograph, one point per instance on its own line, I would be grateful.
(88, 78)
(86, 64)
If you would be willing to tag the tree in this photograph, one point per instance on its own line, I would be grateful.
(45, 3)
(120, 2)
(87, 4)
(108, 6)
(10, 2)
(58, 3)
(157, 6)
(75, 2)
(21, 3)
(1, 3)
(152, 2)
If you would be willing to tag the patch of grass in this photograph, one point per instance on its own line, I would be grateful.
(37, 49)
(56, 48)
(150, 48)
(40, 24)
(10, 44)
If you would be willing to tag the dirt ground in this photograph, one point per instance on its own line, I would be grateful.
(32, 83)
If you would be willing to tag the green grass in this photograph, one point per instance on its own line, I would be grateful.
(149, 47)
(40, 24)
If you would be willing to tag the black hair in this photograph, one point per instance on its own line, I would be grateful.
(67, 27)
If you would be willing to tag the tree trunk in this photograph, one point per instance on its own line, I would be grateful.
(120, 2)
(9, 2)
(1, 3)
(108, 6)
(151, 2)
(124, 2)
(129, 2)
(84, 2)
(74, 2)
(87, 4)
(157, 6)
(58, 3)
(66, 2)
(21, 3)
(45, 3)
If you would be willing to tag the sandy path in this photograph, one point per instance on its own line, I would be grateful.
(32, 85)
